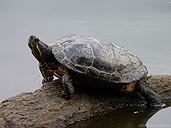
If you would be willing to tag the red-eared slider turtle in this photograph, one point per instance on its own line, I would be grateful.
(84, 60)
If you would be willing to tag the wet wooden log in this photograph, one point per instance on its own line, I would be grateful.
(46, 108)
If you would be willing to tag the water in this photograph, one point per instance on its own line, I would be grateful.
(143, 27)
(130, 118)
(160, 120)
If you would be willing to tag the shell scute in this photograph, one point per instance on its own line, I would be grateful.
(115, 77)
(92, 72)
(80, 69)
(104, 76)
(59, 56)
(79, 54)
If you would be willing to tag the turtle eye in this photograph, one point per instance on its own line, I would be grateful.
(36, 39)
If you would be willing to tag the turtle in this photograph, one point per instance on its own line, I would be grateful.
(85, 60)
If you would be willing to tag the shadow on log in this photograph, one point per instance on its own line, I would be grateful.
(46, 108)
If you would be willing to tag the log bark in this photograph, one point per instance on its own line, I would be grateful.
(46, 108)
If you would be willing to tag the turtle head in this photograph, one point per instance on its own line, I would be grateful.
(40, 50)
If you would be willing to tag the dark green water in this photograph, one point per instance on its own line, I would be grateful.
(123, 118)
(142, 26)
(131, 118)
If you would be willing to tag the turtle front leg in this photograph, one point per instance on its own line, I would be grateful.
(48, 76)
(68, 88)
(153, 99)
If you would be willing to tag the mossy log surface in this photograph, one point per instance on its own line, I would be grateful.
(46, 108)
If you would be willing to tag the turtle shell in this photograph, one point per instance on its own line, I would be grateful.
(98, 58)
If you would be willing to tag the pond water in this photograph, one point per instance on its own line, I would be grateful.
(143, 27)
(130, 118)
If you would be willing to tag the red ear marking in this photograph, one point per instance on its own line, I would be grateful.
(45, 46)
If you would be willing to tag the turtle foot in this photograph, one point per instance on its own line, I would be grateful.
(157, 105)
(65, 96)
(47, 79)
(155, 101)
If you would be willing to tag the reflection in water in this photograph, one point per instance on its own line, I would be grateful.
(122, 118)
(135, 117)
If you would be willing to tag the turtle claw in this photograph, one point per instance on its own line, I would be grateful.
(48, 79)
(64, 95)
(44, 81)
(157, 106)
(156, 102)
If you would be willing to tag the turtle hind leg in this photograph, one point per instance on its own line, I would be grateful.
(139, 98)
(68, 88)
(153, 99)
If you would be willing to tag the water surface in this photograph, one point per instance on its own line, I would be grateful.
(130, 118)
